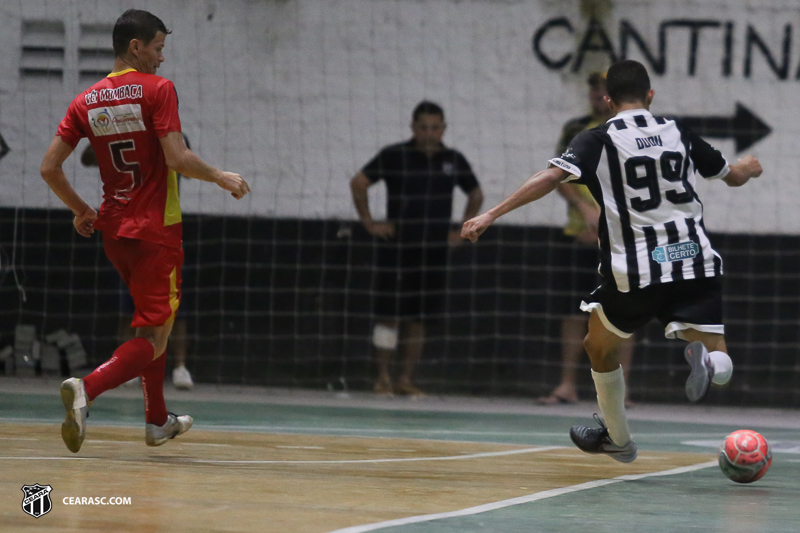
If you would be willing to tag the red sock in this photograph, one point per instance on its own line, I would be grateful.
(155, 410)
(127, 363)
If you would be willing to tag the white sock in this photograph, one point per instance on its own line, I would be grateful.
(610, 388)
(723, 367)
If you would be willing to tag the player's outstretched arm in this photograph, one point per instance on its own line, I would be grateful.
(539, 185)
(182, 160)
(744, 169)
(53, 173)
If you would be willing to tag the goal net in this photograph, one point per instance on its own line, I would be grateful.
(299, 95)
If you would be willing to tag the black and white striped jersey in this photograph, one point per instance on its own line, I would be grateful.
(641, 171)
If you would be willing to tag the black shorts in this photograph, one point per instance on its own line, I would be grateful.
(573, 275)
(410, 280)
(679, 305)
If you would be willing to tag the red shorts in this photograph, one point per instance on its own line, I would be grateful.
(152, 273)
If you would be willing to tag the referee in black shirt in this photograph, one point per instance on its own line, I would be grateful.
(420, 175)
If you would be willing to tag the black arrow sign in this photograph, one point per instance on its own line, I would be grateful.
(744, 127)
(4, 149)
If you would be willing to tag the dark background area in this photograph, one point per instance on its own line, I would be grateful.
(286, 302)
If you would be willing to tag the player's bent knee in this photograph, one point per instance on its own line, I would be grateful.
(147, 335)
(594, 349)
(384, 337)
(597, 351)
(588, 346)
(156, 336)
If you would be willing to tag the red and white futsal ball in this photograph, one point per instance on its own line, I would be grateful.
(744, 456)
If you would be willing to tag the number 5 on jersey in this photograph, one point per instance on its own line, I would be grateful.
(117, 149)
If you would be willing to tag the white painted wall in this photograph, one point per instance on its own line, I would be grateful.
(298, 94)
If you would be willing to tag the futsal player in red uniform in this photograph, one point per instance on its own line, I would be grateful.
(131, 119)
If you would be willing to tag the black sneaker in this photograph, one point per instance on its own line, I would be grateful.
(702, 371)
(596, 440)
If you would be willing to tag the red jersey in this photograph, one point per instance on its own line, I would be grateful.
(124, 115)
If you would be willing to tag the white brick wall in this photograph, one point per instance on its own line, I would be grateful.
(298, 94)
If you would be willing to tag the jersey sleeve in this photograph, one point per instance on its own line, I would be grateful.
(575, 160)
(465, 178)
(69, 129)
(165, 109)
(374, 169)
(709, 162)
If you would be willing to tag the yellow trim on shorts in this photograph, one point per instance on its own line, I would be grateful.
(172, 208)
(174, 300)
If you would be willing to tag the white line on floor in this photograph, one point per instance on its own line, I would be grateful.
(92, 441)
(50, 458)
(392, 460)
(323, 430)
(522, 499)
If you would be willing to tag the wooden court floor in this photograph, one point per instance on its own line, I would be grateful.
(239, 481)
(307, 462)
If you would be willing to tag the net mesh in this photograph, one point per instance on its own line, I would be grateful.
(279, 288)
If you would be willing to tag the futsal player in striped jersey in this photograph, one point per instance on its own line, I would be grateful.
(656, 258)
(131, 119)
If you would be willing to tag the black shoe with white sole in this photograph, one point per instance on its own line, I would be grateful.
(596, 440)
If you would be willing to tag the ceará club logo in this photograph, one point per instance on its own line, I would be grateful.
(36, 501)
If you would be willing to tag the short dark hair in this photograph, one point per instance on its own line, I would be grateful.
(426, 107)
(135, 24)
(627, 81)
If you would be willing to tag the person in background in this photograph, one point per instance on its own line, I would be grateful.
(420, 175)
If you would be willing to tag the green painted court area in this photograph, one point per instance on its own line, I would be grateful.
(696, 500)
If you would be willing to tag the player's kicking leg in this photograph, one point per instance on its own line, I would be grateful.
(613, 437)
(707, 355)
